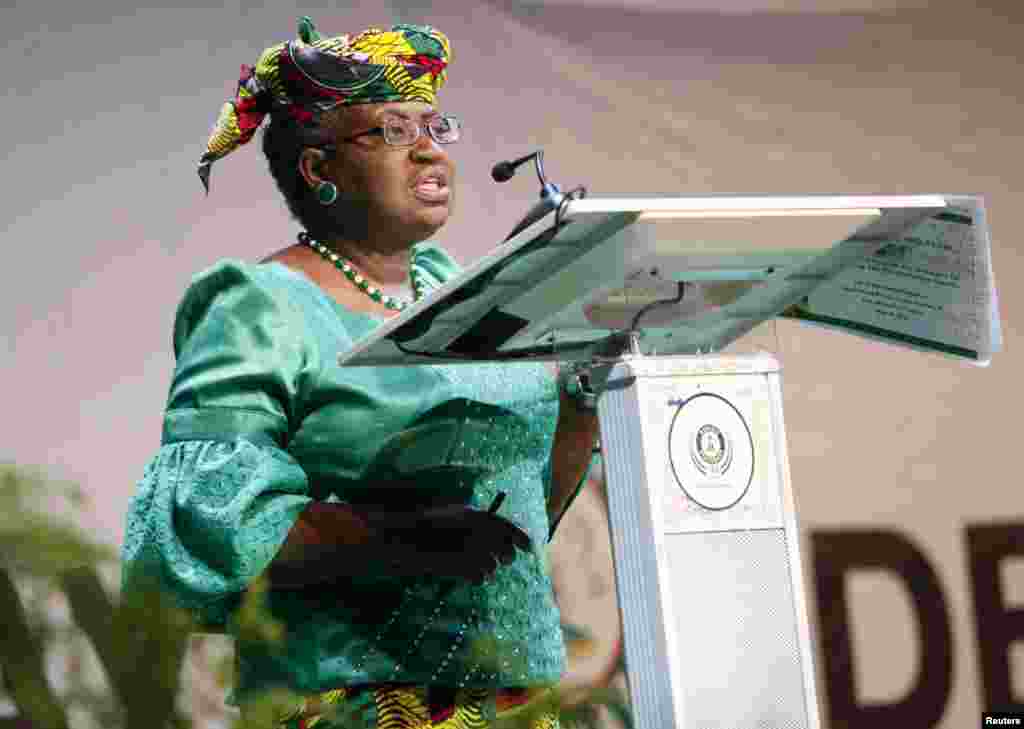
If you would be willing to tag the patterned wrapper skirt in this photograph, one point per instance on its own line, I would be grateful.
(418, 707)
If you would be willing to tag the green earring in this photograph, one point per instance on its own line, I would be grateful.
(326, 193)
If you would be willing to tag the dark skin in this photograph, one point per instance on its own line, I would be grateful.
(376, 187)
(391, 198)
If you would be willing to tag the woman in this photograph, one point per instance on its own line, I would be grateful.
(398, 516)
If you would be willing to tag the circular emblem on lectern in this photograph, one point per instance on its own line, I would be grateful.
(711, 451)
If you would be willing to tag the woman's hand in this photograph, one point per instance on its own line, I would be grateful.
(332, 541)
(450, 541)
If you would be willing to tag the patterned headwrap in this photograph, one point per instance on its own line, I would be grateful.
(305, 77)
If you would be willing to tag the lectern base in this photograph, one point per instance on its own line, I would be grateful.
(706, 545)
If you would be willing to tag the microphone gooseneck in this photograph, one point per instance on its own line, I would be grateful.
(550, 196)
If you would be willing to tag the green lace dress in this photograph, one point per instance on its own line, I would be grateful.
(261, 421)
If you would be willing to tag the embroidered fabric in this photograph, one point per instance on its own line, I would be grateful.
(261, 420)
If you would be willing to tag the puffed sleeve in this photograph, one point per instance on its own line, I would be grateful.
(215, 504)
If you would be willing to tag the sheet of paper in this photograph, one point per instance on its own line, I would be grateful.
(931, 289)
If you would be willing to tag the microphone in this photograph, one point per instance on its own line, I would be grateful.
(550, 196)
(503, 171)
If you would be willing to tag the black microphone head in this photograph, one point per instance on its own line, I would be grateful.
(503, 171)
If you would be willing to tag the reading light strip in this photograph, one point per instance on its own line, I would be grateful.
(706, 205)
(762, 213)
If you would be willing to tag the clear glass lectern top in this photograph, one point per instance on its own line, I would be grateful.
(695, 274)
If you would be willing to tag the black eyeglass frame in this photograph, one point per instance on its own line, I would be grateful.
(419, 132)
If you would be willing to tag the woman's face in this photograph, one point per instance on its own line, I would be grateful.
(405, 193)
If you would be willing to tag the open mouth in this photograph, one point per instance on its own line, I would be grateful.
(432, 188)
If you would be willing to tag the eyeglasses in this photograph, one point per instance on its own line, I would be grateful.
(400, 131)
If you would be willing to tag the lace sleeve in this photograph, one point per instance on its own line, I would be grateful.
(217, 501)
(206, 520)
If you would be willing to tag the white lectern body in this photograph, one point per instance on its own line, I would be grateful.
(706, 545)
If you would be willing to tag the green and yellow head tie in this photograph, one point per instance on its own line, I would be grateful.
(305, 77)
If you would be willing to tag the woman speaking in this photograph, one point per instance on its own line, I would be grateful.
(398, 516)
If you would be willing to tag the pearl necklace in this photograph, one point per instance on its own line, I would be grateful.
(352, 274)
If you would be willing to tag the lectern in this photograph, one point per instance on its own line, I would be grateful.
(704, 531)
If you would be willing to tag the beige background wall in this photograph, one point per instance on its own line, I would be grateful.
(108, 105)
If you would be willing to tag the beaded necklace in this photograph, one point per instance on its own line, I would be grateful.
(352, 274)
